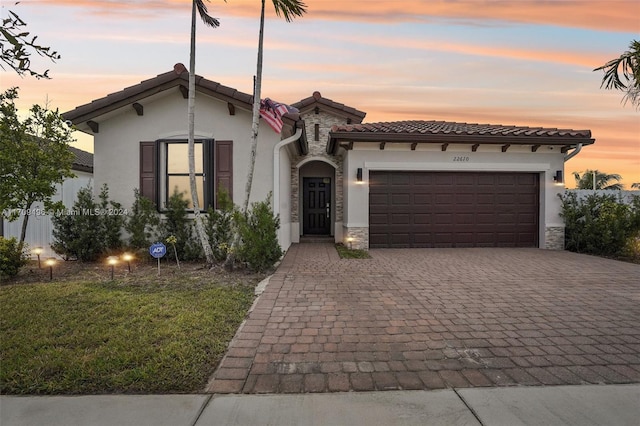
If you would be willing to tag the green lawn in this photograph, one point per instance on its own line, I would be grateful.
(81, 337)
(347, 253)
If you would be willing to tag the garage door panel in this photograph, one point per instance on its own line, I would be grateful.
(400, 219)
(378, 219)
(421, 218)
(399, 179)
(453, 209)
(400, 199)
(422, 198)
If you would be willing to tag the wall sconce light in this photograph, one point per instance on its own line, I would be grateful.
(128, 257)
(50, 262)
(38, 251)
(359, 174)
(112, 260)
(557, 178)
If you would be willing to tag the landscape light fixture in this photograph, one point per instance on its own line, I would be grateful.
(359, 174)
(128, 257)
(112, 260)
(50, 262)
(350, 241)
(38, 251)
(557, 178)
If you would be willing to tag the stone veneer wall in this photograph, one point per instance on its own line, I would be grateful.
(318, 149)
(356, 238)
(554, 238)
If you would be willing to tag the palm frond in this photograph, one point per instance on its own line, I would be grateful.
(626, 67)
(289, 9)
(204, 14)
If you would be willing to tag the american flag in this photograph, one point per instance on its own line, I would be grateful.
(272, 113)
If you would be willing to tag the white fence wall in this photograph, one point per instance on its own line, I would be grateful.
(625, 196)
(40, 229)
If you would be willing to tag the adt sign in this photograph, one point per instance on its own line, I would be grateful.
(158, 250)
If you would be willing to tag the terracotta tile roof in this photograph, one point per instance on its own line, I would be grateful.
(82, 161)
(448, 127)
(446, 131)
(178, 77)
(316, 99)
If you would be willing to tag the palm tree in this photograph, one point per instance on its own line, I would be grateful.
(635, 185)
(214, 23)
(289, 9)
(629, 65)
(601, 181)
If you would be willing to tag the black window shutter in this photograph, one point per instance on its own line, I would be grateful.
(148, 171)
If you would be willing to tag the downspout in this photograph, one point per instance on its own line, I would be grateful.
(573, 153)
(276, 169)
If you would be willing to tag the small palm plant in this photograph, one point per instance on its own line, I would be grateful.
(171, 239)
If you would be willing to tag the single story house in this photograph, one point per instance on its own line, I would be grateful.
(388, 184)
(40, 228)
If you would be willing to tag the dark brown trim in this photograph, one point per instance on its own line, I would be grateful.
(474, 147)
(95, 127)
(413, 146)
(534, 148)
(382, 144)
(139, 108)
(316, 132)
(444, 146)
(185, 91)
(505, 147)
(232, 108)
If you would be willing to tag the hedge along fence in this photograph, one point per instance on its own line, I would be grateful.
(604, 223)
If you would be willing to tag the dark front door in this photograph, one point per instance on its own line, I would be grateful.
(316, 207)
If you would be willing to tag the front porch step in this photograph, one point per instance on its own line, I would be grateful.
(314, 239)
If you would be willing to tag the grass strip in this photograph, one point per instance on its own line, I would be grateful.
(80, 337)
(347, 253)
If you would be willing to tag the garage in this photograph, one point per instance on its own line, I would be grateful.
(453, 209)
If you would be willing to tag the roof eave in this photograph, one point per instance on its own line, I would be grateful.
(150, 87)
(336, 137)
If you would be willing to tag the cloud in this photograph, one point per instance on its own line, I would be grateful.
(609, 15)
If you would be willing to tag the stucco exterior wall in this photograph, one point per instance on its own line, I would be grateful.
(116, 146)
(488, 158)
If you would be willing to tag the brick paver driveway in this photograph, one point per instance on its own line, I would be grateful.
(436, 318)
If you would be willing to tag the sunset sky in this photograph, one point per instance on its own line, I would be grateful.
(516, 62)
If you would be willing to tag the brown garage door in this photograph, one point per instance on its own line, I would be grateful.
(453, 209)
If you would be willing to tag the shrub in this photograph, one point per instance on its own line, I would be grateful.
(219, 226)
(259, 249)
(13, 256)
(599, 224)
(112, 220)
(142, 223)
(90, 229)
(178, 224)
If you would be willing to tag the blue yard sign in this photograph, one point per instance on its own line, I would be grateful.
(158, 250)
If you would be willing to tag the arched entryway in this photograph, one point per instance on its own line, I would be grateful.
(317, 192)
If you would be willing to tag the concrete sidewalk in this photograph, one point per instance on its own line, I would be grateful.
(557, 405)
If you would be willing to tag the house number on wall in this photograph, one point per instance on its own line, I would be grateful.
(460, 159)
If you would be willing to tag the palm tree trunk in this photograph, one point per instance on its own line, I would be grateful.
(256, 114)
(229, 261)
(191, 106)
